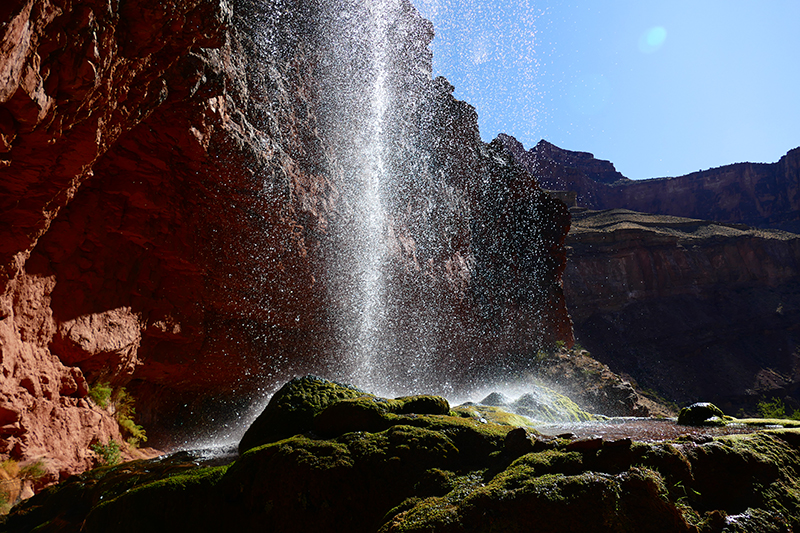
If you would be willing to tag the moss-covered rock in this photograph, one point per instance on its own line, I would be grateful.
(701, 413)
(293, 408)
(316, 404)
(390, 468)
(82, 503)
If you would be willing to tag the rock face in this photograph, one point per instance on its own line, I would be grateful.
(172, 202)
(689, 308)
(403, 465)
(756, 194)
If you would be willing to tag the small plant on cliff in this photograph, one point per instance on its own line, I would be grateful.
(33, 471)
(100, 393)
(11, 467)
(5, 501)
(107, 454)
(124, 412)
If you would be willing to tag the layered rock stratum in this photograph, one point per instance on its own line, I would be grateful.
(172, 199)
(688, 308)
(671, 282)
(763, 195)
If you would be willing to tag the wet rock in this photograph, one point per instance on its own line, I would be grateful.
(700, 413)
(624, 442)
(544, 404)
(518, 442)
(587, 444)
(496, 399)
(292, 409)
(439, 478)
(316, 404)
(422, 405)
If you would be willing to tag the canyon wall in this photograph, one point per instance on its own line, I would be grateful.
(763, 195)
(172, 199)
(691, 309)
(681, 293)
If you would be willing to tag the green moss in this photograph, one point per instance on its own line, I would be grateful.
(495, 415)
(545, 462)
(547, 405)
(181, 500)
(292, 409)
(767, 422)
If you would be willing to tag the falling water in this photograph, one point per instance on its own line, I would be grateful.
(356, 128)
(373, 232)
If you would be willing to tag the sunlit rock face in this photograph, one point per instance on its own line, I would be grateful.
(763, 195)
(176, 202)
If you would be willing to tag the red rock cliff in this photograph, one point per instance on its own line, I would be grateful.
(689, 308)
(757, 194)
(170, 205)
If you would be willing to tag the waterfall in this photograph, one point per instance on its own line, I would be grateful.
(370, 307)
(355, 125)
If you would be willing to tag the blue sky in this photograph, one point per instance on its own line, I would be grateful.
(659, 88)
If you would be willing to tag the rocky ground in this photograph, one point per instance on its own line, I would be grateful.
(326, 457)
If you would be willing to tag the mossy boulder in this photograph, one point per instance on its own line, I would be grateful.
(546, 405)
(330, 409)
(293, 408)
(701, 413)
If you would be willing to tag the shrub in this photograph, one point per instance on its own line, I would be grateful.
(100, 393)
(124, 413)
(775, 409)
(103, 395)
(11, 467)
(33, 471)
(107, 454)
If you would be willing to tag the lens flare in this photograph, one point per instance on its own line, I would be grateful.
(652, 40)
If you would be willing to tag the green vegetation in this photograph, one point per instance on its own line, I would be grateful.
(124, 410)
(124, 413)
(775, 409)
(33, 471)
(11, 467)
(100, 393)
(107, 454)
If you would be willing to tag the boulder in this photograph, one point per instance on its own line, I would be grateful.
(316, 404)
(699, 414)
